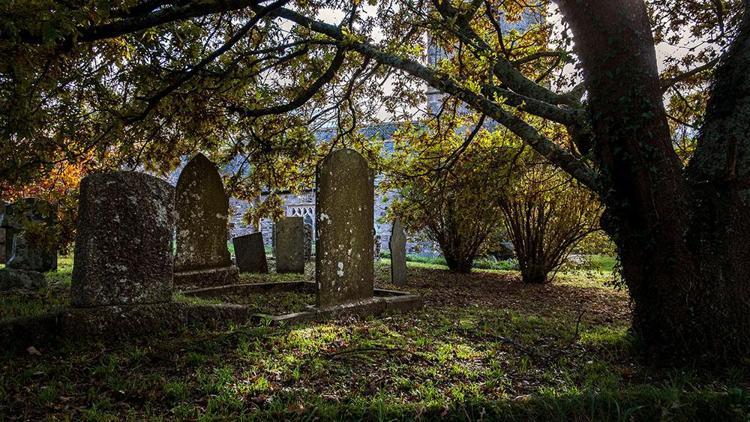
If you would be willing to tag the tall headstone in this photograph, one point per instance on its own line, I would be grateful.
(30, 225)
(397, 246)
(308, 239)
(123, 249)
(250, 253)
(289, 245)
(376, 251)
(202, 227)
(345, 197)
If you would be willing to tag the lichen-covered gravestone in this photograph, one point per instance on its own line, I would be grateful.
(250, 253)
(397, 246)
(33, 250)
(344, 247)
(202, 227)
(123, 249)
(289, 245)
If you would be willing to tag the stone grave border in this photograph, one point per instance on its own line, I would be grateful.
(125, 322)
(383, 300)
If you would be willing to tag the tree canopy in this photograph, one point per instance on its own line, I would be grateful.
(145, 82)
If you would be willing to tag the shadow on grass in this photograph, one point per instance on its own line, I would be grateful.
(646, 404)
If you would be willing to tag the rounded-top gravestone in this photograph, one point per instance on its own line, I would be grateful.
(123, 249)
(202, 227)
(202, 217)
(344, 248)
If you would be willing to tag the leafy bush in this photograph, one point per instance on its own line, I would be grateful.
(546, 216)
(450, 173)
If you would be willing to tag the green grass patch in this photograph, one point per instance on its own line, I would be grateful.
(485, 346)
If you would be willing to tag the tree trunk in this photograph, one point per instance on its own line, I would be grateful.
(459, 264)
(534, 272)
(684, 242)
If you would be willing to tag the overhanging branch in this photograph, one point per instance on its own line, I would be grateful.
(548, 149)
(302, 98)
(667, 83)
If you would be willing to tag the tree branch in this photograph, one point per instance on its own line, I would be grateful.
(539, 55)
(548, 149)
(303, 97)
(140, 22)
(154, 100)
(667, 83)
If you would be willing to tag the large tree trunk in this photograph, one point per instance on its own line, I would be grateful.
(684, 242)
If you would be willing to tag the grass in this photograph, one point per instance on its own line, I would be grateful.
(270, 303)
(484, 347)
(595, 263)
(21, 303)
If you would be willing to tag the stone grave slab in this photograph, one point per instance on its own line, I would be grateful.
(3, 254)
(250, 253)
(308, 240)
(344, 256)
(289, 245)
(27, 252)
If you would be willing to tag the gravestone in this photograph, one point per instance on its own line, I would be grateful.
(344, 249)
(3, 254)
(250, 253)
(289, 244)
(397, 246)
(29, 259)
(123, 248)
(376, 251)
(308, 240)
(30, 251)
(202, 227)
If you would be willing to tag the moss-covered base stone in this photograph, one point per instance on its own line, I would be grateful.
(209, 277)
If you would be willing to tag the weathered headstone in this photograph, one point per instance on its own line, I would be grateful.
(344, 249)
(202, 227)
(123, 249)
(308, 240)
(250, 253)
(30, 251)
(376, 251)
(397, 245)
(30, 259)
(289, 245)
